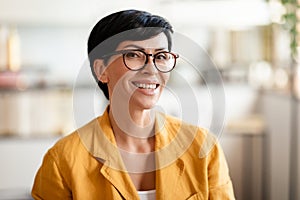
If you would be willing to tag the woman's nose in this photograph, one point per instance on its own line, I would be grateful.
(150, 65)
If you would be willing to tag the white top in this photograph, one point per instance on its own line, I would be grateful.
(147, 195)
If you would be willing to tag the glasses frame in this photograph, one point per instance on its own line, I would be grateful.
(123, 52)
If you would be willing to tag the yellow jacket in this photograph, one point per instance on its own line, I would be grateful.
(87, 165)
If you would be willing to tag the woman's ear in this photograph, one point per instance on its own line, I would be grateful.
(100, 70)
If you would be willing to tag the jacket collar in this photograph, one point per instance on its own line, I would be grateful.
(171, 142)
(98, 138)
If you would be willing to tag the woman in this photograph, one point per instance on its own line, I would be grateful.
(131, 151)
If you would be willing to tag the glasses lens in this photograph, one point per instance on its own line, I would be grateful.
(165, 61)
(134, 60)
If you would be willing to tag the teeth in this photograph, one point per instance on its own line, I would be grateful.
(145, 86)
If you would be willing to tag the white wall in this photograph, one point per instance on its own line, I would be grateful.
(276, 109)
(20, 160)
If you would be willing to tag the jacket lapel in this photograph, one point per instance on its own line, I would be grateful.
(121, 181)
(99, 140)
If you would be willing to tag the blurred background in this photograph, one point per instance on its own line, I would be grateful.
(253, 43)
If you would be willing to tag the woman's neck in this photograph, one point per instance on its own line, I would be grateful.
(134, 133)
(134, 140)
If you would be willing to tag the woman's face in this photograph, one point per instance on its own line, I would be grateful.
(140, 89)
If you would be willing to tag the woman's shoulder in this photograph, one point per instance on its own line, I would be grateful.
(65, 145)
(176, 122)
(71, 144)
(202, 139)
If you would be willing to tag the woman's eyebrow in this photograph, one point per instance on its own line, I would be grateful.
(141, 48)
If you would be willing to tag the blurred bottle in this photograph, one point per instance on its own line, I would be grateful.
(13, 50)
(3, 48)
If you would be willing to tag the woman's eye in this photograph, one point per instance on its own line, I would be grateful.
(161, 57)
(132, 55)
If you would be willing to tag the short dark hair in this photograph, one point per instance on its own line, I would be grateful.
(116, 23)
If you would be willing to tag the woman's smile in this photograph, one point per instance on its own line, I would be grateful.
(148, 88)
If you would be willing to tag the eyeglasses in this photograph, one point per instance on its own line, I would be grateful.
(135, 60)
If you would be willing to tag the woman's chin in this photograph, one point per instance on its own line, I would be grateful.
(143, 102)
